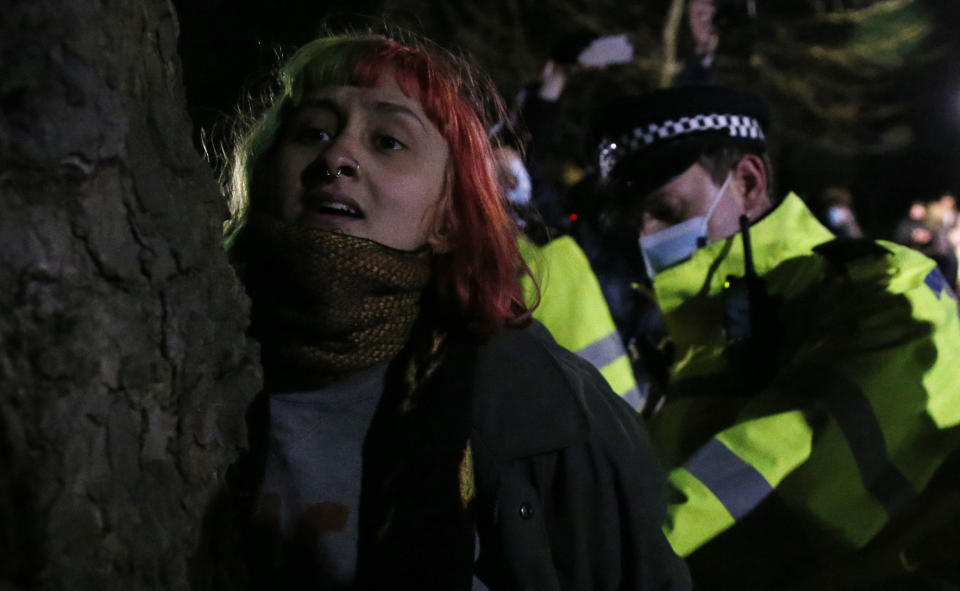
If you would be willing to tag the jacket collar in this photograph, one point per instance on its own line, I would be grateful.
(706, 271)
(689, 293)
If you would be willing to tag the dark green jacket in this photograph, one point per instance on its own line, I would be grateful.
(570, 496)
(564, 491)
(509, 458)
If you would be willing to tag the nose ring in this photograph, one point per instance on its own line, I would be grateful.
(343, 170)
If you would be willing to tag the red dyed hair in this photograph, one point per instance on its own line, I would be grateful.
(478, 263)
(479, 259)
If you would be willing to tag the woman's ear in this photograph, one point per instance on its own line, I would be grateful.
(751, 174)
(440, 216)
(439, 238)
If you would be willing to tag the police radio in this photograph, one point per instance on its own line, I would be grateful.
(750, 321)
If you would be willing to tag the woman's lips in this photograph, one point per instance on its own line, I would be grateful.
(337, 208)
(327, 204)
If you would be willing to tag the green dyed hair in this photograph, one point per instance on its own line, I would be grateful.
(324, 61)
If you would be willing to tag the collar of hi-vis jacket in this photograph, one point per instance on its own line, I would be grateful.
(689, 294)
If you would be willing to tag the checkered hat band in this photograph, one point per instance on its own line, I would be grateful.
(738, 126)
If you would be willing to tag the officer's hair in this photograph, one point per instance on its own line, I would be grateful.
(719, 160)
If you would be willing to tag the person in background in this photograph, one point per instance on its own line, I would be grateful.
(951, 226)
(562, 289)
(812, 405)
(613, 256)
(943, 211)
(834, 209)
(416, 430)
(571, 303)
(700, 69)
(537, 109)
(914, 230)
(923, 230)
(946, 224)
(535, 114)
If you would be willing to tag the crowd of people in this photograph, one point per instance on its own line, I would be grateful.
(932, 227)
(696, 385)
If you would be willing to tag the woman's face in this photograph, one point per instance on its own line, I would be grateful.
(365, 161)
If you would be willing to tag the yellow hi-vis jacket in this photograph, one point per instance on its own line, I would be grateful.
(573, 309)
(863, 405)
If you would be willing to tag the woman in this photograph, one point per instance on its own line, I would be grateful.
(416, 430)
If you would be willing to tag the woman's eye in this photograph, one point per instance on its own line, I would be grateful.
(387, 142)
(312, 134)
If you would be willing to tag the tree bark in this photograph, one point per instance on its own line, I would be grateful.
(124, 369)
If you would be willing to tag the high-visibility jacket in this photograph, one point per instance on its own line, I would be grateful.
(573, 309)
(859, 406)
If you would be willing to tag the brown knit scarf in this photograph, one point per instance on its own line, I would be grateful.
(326, 304)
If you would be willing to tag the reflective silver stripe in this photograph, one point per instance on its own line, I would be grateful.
(856, 419)
(734, 482)
(603, 351)
(635, 398)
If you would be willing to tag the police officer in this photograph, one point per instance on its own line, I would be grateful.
(813, 390)
(566, 297)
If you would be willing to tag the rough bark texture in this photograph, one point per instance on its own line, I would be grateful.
(124, 370)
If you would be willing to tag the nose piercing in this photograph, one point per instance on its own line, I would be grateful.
(343, 170)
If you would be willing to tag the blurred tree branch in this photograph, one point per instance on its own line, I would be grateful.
(671, 30)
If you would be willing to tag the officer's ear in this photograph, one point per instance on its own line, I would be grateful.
(750, 175)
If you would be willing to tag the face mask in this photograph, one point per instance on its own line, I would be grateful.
(838, 215)
(668, 247)
(520, 194)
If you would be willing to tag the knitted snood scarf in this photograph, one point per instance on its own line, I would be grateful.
(326, 304)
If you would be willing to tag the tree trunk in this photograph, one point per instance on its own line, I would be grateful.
(124, 370)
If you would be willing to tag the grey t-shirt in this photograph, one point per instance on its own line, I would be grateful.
(313, 472)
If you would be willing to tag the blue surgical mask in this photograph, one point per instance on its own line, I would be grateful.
(678, 242)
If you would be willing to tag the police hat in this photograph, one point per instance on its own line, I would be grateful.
(646, 140)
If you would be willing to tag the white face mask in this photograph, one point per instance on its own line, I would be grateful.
(520, 194)
(670, 246)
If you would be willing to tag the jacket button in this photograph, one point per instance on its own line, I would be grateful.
(526, 510)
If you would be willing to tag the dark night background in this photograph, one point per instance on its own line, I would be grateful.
(866, 94)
